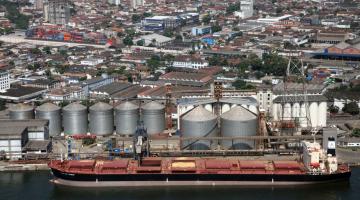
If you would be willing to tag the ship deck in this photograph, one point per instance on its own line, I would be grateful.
(179, 165)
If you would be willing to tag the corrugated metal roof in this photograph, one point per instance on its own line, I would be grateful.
(298, 98)
(238, 113)
(199, 114)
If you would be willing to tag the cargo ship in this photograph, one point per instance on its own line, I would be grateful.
(315, 166)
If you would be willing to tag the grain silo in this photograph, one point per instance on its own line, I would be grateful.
(21, 111)
(199, 122)
(126, 118)
(52, 113)
(153, 115)
(101, 117)
(75, 119)
(238, 122)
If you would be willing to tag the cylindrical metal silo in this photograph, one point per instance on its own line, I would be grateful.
(296, 110)
(287, 111)
(75, 119)
(225, 108)
(52, 113)
(253, 109)
(21, 111)
(314, 114)
(101, 117)
(238, 122)
(322, 114)
(153, 115)
(126, 118)
(275, 112)
(209, 107)
(198, 123)
(303, 116)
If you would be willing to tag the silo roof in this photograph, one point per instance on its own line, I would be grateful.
(100, 106)
(199, 114)
(48, 107)
(238, 113)
(21, 107)
(127, 106)
(74, 107)
(153, 105)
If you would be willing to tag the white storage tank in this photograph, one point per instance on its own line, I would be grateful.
(314, 109)
(322, 114)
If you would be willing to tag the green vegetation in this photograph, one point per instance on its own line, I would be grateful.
(355, 132)
(216, 28)
(242, 85)
(128, 40)
(351, 108)
(233, 7)
(47, 50)
(140, 43)
(21, 21)
(333, 109)
(206, 19)
(88, 141)
(168, 33)
(154, 63)
(2, 104)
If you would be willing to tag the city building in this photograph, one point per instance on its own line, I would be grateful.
(39, 4)
(155, 40)
(246, 9)
(190, 62)
(159, 23)
(4, 80)
(114, 2)
(136, 3)
(57, 12)
(95, 83)
(201, 30)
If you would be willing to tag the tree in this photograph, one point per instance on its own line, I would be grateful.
(274, 64)
(168, 33)
(2, 104)
(355, 132)
(242, 85)
(63, 52)
(47, 50)
(333, 109)
(135, 18)
(140, 43)
(233, 7)
(351, 108)
(178, 38)
(35, 51)
(216, 28)
(206, 19)
(128, 41)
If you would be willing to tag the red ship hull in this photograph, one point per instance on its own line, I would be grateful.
(187, 171)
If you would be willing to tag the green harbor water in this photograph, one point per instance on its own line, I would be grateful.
(36, 186)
